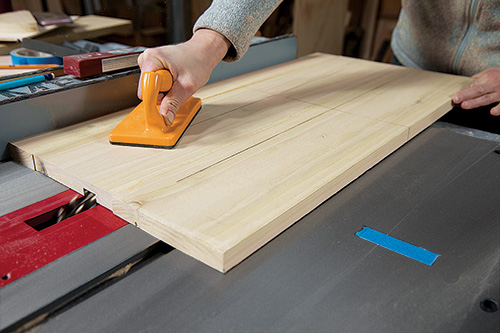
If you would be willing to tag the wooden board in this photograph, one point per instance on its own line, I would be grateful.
(84, 27)
(21, 21)
(266, 149)
(16, 25)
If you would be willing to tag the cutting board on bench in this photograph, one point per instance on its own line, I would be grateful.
(266, 148)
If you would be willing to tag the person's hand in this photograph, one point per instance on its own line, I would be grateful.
(190, 64)
(485, 90)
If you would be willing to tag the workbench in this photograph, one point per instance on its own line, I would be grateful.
(441, 188)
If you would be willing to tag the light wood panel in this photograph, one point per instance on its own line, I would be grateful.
(266, 149)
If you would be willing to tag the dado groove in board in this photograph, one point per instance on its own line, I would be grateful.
(266, 149)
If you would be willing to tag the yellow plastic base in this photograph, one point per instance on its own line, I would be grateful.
(133, 130)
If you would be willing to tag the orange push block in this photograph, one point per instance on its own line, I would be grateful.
(145, 126)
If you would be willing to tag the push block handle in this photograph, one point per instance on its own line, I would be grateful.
(152, 84)
(165, 80)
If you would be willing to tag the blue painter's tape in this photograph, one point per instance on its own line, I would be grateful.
(24, 56)
(399, 246)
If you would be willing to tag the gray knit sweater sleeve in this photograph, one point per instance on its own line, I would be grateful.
(237, 20)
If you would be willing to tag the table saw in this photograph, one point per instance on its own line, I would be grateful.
(441, 189)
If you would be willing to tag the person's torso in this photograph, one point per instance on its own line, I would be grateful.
(461, 36)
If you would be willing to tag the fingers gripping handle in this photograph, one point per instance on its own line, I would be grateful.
(152, 84)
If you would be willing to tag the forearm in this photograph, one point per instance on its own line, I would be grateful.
(213, 45)
(238, 21)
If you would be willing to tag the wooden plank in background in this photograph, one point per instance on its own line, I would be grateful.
(266, 149)
(196, 8)
(319, 26)
(368, 23)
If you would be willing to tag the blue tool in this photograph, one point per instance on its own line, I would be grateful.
(26, 81)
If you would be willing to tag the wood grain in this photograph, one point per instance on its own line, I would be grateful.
(266, 149)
